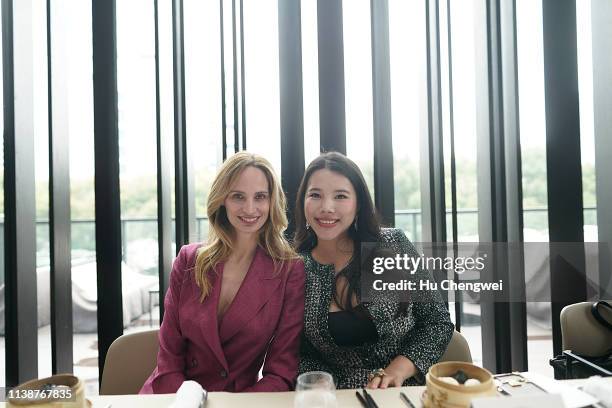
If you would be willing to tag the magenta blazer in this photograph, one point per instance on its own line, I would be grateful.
(264, 320)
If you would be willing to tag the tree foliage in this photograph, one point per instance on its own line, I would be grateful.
(138, 195)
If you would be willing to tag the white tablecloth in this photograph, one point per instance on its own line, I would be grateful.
(346, 399)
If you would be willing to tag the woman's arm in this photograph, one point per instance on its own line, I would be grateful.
(427, 341)
(421, 348)
(169, 373)
(280, 368)
(429, 338)
(433, 329)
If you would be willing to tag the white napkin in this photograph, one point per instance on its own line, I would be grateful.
(600, 389)
(189, 395)
(525, 401)
(572, 397)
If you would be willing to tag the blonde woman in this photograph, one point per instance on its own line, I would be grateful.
(239, 299)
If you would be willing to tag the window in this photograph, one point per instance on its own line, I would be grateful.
(310, 80)
(261, 71)
(407, 54)
(358, 87)
(587, 137)
(463, 18)
(137, 160)
(41, 141)
(203, 98)
(82, 209)
(533, 157)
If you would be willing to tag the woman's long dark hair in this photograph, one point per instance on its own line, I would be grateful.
(366, 229)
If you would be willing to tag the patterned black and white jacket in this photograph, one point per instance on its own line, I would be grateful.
(421, 333)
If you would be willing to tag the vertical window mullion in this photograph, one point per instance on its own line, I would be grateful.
(19, 205)
(432, 160)
(381, 91)
(164, 179)
(332, 115)
(236, 88)
(513, 181)
(107, 192)
(59, 192)
(458, 295)
(242, 84)
(185, 203)
(564, 172)
(499, 193)
(291, 102)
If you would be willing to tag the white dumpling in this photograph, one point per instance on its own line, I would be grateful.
(472, 382)
(449, 380)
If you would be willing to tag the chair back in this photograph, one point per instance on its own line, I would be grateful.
(582, 333)
(458, 349)
(130, 360)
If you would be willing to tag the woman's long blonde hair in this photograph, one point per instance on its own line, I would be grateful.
(220, 235)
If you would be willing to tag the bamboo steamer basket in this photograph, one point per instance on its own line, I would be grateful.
(76, 388)
(440, 394)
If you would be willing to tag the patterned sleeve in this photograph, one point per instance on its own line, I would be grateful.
(428, 340)
(310, 358)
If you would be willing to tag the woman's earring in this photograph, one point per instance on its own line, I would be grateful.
(307, 226)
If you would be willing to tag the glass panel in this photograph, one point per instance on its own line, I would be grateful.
(587, 133)
(358, 86)
(587, 142)
(261, 79)
(533, 156)
(41, 141)
(407, 54)
(166, 95)
(83, 245)
(463, 20)
(203, 98)
(138, 160)
(229, 78)
(310, 80)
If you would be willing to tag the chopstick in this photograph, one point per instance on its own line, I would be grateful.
(370, 400)
(405, 398)
(363, 402)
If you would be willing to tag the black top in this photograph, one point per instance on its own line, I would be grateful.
(350, 329)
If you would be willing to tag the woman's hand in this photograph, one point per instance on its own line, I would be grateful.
(400, 369)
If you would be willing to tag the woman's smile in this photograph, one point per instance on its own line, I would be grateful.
(327, 222)
(249, 220)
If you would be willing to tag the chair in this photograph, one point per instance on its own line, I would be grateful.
(129, 362)
(582, 334)
(458, 349)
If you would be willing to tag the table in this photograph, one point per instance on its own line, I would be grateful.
(346, 399)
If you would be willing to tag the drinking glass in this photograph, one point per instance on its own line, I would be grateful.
(315, 389)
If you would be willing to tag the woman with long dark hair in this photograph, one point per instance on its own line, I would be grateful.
(379, 343)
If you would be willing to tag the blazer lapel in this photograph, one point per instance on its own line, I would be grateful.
(259, 284)
(209, 323)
